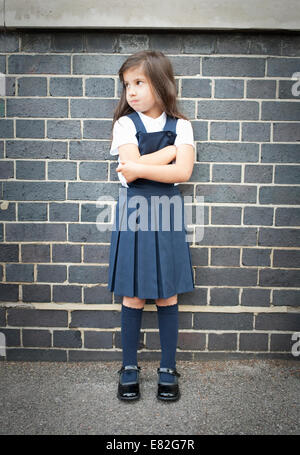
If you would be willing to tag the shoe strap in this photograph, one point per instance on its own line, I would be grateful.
(129, 368)
(172, 371)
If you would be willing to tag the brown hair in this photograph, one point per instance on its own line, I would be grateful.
(158, 69)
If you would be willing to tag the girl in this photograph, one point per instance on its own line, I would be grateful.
(155, 146)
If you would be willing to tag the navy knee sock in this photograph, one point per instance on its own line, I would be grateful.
(168, 332)
(131, 319)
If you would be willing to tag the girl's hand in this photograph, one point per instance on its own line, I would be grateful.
(130, 170)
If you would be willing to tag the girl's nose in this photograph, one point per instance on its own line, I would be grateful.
(131, 91)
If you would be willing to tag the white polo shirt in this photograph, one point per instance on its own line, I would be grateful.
(124, 132)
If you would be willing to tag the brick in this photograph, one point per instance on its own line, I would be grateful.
(255, 297)
(277, 195)
(95, 319)
(287, 174)
(32, 212)
(93, 171)
(285, 216)
(96, 340)
(278, 237)
(256, 257)
(36, 41)
(97, 64)
(52, 273)
(228, 110)
(195, 43)
(89, 150)
(286, 89)
(9, 41)
(38, 107)
(226, 236)
(283, 67)
(100, 87)
(233, 66)
(97, 108)
(66, 253)
(225, 256)
(97, 129)
(6, 128)
(68, 294)
(9, 253)
(62, 171)
(36, 149)
(35, 253)
(97, 294)
(29, 232)
(87, 274)
(91, 191)
(36, 318)
(224, 131)
(6, 169)
(30, 128)
(96, 253)
(63, 129)
(100, 41)
(30, 170)
(9, 293)
(280, 153)
(275, 110)
(67, 339)
(191, 341)
(286, 132)
(229, 88)
(279, 278)
(281, 342)
(245, 42)
(185, 66)
(226, 173)
(82, 355)
(256, 132)
(67, 41)
(10, 213)
(289, 297)
(39, 64)
(32, 86)
(36, 338)
(223, 321)
(196, 88)
(209, 276)
(260, 216)
(63, 211)
(2, 316)
(89, 233)
(222, 341)
(279, 321)
(19, 272)
(228, 152)
(34, 191)
(286, 258)
(90, 212)
(261, 89)
(258, 174)
(12, 337)
(224, 296)
(254, 342)
(227, 193)
(36, 293)
(36, 355)
(65, 86)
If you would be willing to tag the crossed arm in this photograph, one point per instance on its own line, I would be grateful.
(154, 166)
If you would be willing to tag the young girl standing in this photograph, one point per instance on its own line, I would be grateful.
(155, 146)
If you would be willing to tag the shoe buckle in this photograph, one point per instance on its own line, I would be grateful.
(172, 371)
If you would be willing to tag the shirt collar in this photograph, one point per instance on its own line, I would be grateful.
(159, 119)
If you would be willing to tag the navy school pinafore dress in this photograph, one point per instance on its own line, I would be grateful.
(149, 255)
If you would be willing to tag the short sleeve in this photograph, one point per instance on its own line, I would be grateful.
(184, 133)
(123, 133)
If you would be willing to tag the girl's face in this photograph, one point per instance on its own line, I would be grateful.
(139, 93)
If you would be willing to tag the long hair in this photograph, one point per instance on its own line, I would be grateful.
(158, 70)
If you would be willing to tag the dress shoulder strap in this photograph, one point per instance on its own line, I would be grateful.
(140, 128)
(171, 124)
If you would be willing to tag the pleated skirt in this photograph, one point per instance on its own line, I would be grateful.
(149, 255)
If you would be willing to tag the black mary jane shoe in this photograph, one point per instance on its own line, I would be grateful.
(167, 391)
(129, 390)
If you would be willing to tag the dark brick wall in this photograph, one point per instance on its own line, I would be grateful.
(61, 88)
